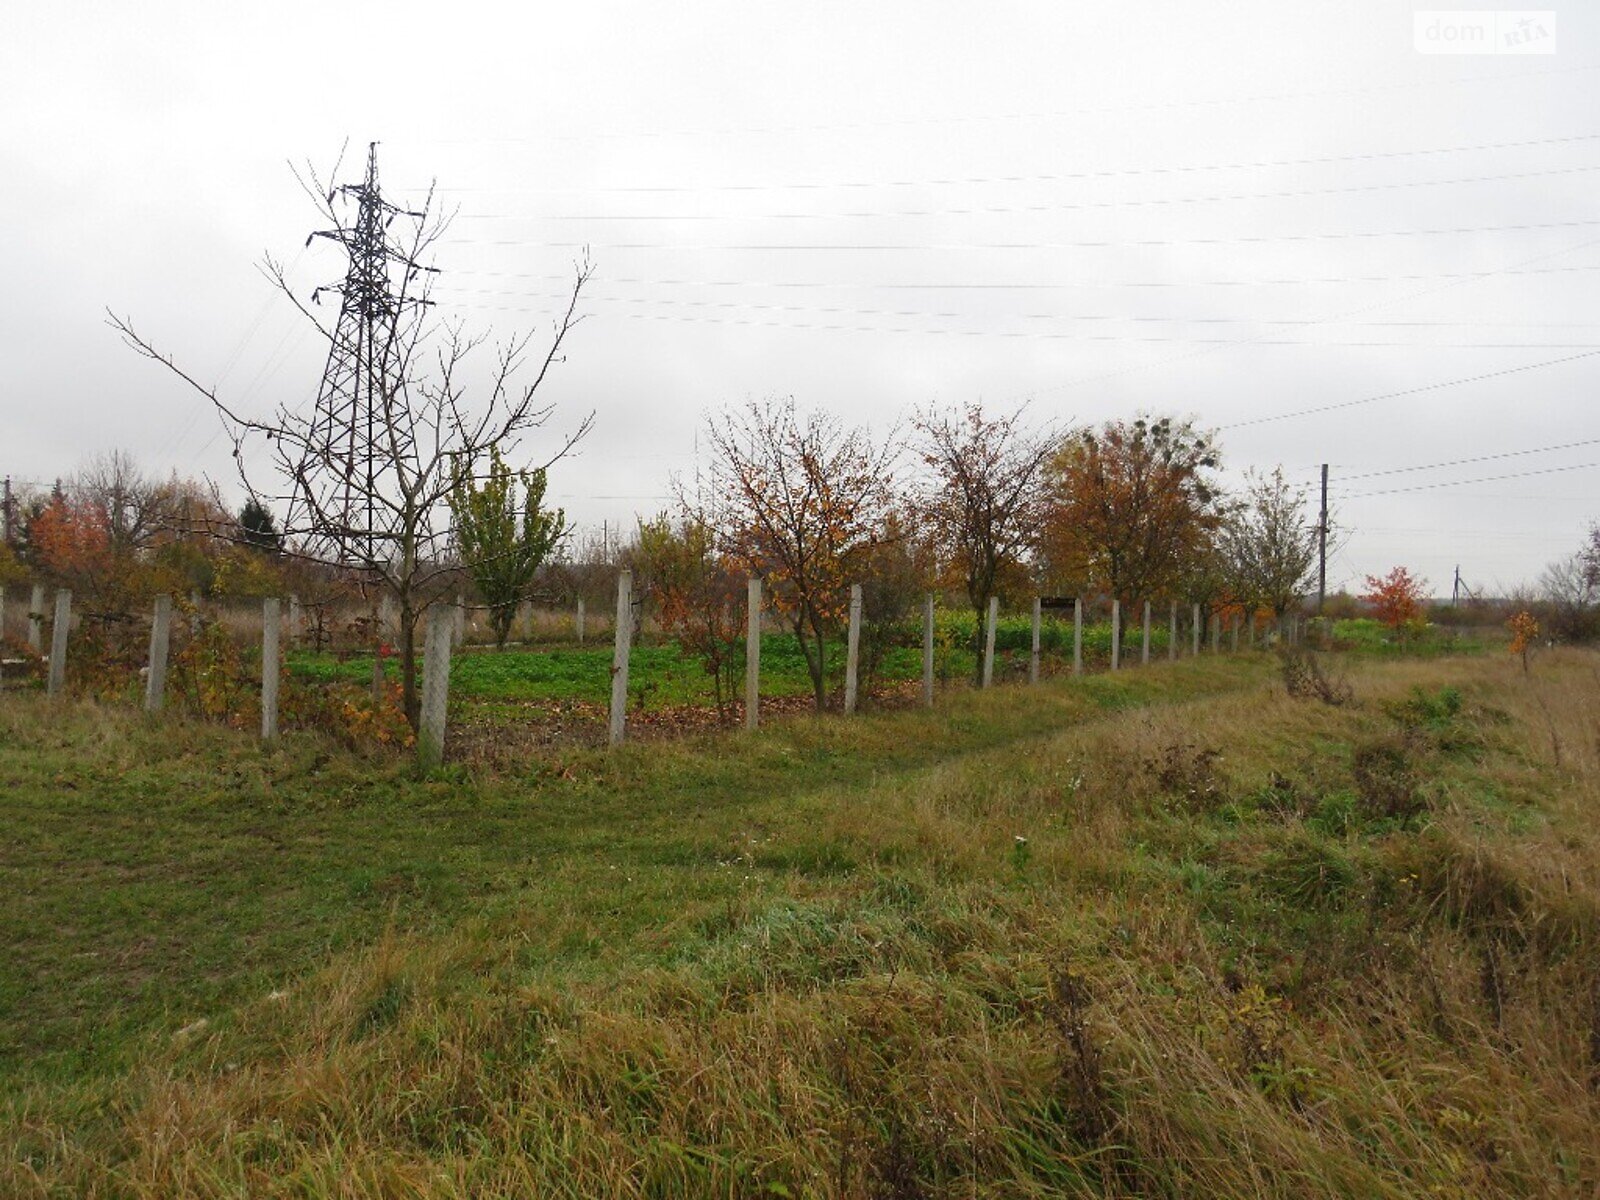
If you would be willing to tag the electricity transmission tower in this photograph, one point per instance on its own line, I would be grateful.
(353, 435)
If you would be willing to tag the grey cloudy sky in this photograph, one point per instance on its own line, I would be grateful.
(1234, 212)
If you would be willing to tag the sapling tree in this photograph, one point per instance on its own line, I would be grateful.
(697, 593)
(503, 533)
(1396, 600)
(984, 497)
(800, 500)
(1269, 543)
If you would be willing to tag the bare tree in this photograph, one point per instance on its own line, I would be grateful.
(364, 477)
(804, 497)
(131, 500)
(1269, 542)
(985, 498)
(1570, 589)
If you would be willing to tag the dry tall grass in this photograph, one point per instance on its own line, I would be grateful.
(1177, 951)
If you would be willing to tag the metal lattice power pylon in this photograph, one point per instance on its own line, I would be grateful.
(358, 429)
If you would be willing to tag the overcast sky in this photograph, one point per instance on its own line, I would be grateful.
(1232, 212)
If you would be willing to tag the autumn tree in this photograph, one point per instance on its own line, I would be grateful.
(1131, 505)
(801, 499)
(698, 595)
(1269, 543)
(984, 497)
(1396, 599)
(896, 569)
(503, 533)
(133, 502)
(1524, 628)
(70, 540)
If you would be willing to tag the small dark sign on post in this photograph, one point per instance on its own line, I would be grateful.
(1055, 601)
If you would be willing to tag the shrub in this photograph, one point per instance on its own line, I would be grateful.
(1304, 678)
(1188, 774)
(1386, 784)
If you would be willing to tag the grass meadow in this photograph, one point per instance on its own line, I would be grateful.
(1171, 932)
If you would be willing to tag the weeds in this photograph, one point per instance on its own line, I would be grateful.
(1187, 773)
(1386, 781)
(1305, 678)
(819, 961)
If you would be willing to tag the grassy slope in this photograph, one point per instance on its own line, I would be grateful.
(819, 961)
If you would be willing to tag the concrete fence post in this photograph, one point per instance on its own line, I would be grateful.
(1077, 635)
(1033, 658)
(294, 619)
(1194, 630)
(1216, 633)
(36, 619)
(988, 640)
(459, 611)
(852, 650)
(525, 621)
(927, 650)
(1172, 633)
(578, 621)
(271, 667)
(752, 655)
(621, 646)
(155, 681)
(1116, 634)
(58, 641)
(435, 684)
(386, 616)
(1144, 647)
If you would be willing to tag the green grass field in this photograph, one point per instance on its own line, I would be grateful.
(484, 681)
(1167, 933)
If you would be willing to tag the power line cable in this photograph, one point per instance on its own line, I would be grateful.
(1049, 114)
(856, 285)
(834, 310)
(1414, 391)
(1017, 209)
(887, 247)
(1045, 335)
(1428, 487)
(1456, 462)
(1011, 180)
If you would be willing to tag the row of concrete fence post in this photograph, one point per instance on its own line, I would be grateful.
(445, 628)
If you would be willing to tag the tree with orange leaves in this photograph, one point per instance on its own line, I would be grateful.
(1396, 599)
(1132, 506)
(70, 540)
(1524, 629)
(697, 596)
(800, 500)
